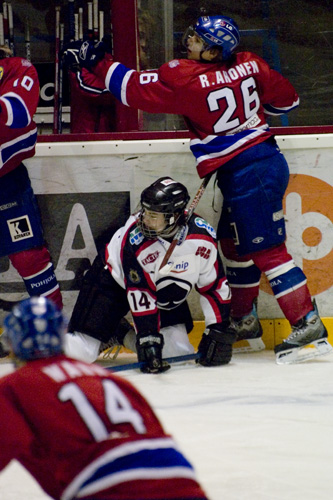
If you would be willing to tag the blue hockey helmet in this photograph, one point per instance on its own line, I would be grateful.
(218, 31)
(34, 329)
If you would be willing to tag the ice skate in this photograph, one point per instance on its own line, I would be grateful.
(110, 349)
(309, 331)
(248, 328)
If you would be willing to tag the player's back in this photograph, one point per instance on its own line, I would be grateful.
(215, 98)
(84, 422)
(218, 98)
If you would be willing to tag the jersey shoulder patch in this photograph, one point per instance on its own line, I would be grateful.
(205, 226)
(135, 236)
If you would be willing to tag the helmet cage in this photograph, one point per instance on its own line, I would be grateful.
(171, 224)
(34, 329)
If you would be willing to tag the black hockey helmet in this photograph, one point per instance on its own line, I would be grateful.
(168, 197)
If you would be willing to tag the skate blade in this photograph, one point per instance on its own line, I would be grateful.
(293, 356)
(254, 345)
(108, 353)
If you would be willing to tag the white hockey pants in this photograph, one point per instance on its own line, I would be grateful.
(83, 347)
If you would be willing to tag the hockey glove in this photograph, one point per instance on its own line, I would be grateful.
(84, 54)
(216, 345)
(149, 349)
(70, 55)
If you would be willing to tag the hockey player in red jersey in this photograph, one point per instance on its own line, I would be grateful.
(79, 430)
(157, 302)
(20, 223)
(224, 97)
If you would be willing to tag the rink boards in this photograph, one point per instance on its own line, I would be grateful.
(83, 188)
(274, 331)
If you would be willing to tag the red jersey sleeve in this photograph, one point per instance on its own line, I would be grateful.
(153, 91)
(19, 92)
(277, 94)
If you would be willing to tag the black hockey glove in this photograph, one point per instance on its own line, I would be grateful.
(70, 55)
(83, 54)
(216, 345)
(149, 349)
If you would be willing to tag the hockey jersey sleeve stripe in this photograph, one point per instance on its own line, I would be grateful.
(272, 110)
(116, 81)
(216, 146)
(219, 283)
(25, 142)
(88, 88)
(144, 459)
(18, 115)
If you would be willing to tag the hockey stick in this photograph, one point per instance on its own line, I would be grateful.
(80, 23)
(95, 20)
(165, 267)
(5, 23)
(27, 42)
(2, 35)
(71, 20)
(11, 28)
(56, 72)
(60, 77)
(141, 364)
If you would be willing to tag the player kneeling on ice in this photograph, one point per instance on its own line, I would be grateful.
(81, 431)
(130, 280)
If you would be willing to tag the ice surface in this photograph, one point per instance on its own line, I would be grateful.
(252, 429)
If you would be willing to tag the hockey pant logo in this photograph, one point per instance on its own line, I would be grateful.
(20, 228)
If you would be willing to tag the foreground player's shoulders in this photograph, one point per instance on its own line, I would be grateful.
(13, 65)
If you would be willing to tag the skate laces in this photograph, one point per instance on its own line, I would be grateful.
(249, 321)
(303, 325)
(108, 347)
(108, 352)
(297, 330)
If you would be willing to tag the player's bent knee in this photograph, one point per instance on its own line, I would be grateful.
(100, 305)
(82, 347)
